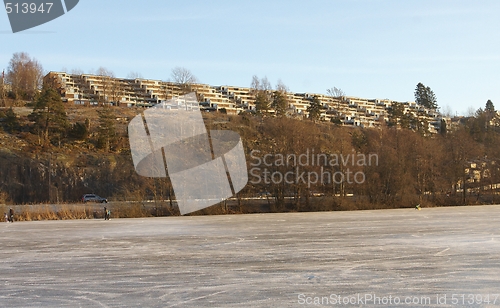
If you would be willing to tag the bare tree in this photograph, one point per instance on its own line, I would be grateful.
(106, 78)
(335, 92)
(25, 75)
(117, 89)
(76, 71)
(2, 88)
(447, 111)
(255, 84)
(183, 78)
(265, 84)
(166, 90)
(134, 75)
(261, 90)
(281, 87)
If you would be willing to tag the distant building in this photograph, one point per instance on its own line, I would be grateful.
(480, 175)
(87, 89)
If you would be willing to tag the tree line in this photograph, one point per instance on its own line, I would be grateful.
(455, 167)
(411, 168)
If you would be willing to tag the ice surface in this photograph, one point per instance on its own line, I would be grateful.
(261, 260)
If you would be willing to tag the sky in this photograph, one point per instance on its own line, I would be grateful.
(369, 49)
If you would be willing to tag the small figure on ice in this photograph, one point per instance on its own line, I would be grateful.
(107, 213)
(417, 207)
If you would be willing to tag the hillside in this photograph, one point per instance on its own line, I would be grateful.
(406, 168)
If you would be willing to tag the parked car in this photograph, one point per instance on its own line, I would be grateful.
(93, 198)
(264, 194)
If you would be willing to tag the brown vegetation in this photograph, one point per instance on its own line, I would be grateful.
(411, 168)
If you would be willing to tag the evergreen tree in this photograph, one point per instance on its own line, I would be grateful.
(423, 127)
(314, 109)
(11, 120)
(262, 102)
(396, 113)
(280, 103)
(49, 116)
(79, 131)
(489, 106)
(491, 114)
(424, 96)
(336, 120)
(407, 120)
(107, 130)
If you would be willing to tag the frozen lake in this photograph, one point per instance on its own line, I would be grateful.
(261, 260)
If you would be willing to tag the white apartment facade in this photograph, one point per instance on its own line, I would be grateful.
(346, 110)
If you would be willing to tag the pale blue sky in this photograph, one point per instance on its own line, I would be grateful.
(371, 49)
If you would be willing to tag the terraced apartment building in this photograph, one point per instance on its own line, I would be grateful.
(87, 89)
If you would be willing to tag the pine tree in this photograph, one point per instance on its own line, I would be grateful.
(396, 113)
(489, 106)
(11, 120)
(280, 103)
(79, 131)
(107, 130)
(261, 102)
(49, 116)
(314, 109)
(424, 96)
(490, 113)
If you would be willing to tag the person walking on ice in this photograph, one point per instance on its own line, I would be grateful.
(107, 213)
